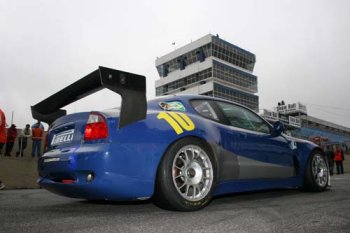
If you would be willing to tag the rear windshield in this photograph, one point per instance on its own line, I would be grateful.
(204, 109)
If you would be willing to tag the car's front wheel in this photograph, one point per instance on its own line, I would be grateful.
(317, 173)
(186, 176)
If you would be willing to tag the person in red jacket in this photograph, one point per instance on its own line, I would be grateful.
(2, 137)
(37, 135)
(2, 130)
(11, 137)
(339, 157)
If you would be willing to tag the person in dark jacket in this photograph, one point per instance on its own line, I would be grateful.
(23, 139)
(2, 130)
(2, 138)
(11, 137)
(330, 158)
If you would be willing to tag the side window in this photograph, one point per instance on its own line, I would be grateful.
(242, 118)
(204, 109)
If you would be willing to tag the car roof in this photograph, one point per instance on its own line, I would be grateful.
(187, 98)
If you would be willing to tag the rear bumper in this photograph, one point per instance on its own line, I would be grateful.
(76, 163)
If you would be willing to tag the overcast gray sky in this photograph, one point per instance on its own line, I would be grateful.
(302, 47)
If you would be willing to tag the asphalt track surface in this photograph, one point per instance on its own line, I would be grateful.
(268, 211)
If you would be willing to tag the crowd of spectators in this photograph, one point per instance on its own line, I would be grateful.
(30, 134)
(8, 137)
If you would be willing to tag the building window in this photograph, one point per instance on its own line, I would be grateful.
(197, 55)
(178, 84)
(234, 55)
(232, 75)
(251, 101)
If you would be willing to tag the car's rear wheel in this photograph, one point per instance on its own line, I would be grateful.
(317, 173)
(186, 176)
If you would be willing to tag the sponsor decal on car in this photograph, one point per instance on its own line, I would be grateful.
(179, 121)
(63, 137)
(172, 106)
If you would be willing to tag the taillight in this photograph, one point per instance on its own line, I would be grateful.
(68, 181)
(96, 127)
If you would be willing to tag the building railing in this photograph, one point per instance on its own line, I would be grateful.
(291, 108)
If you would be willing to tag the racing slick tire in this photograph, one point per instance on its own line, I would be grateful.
(186, 176)
(316, 177)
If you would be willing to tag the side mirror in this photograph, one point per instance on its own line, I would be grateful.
(277, 128)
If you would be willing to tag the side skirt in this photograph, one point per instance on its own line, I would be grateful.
(236, 186)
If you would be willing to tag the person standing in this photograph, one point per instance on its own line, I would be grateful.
(23, 139)
(10, 141)
(37, 134)
(330, 157)
(2, 130)
(2, 137)
(339, 157)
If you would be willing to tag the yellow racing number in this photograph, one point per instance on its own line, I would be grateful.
(178, 121)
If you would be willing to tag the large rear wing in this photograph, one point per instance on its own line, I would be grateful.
(131, 88)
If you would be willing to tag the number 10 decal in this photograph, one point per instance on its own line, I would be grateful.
(178, 121)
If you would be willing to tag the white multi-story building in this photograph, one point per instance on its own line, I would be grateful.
(209, 66)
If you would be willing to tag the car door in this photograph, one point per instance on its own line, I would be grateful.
(248, 137)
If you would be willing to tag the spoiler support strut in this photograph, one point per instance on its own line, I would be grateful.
(131, 88)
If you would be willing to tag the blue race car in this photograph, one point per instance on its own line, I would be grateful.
(178, 150)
